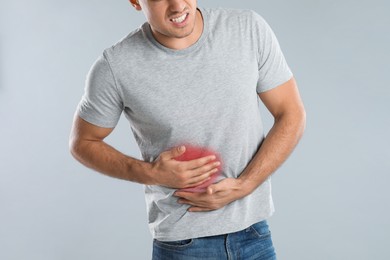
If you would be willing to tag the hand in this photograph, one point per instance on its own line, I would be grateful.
(217, 195)
(182, 174)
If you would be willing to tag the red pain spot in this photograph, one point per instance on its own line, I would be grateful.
(194, 152)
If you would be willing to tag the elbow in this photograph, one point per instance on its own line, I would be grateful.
(294, 119)
(74, 146)
(77, 150)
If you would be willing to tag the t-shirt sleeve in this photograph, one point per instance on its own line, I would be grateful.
(101, 103)
(272, 65)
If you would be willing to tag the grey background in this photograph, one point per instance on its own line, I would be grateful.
(331, 196)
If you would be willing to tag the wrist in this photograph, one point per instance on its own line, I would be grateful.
(141, 172)
(246, 186)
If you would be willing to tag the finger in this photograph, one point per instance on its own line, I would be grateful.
(183, 194)
(214, 188)
(199, 209)
(187, 195)
(199, 179)
(194, 184)
(197, 163)
(207, 168)
(201, 174)
(184, 201)
(192, 203)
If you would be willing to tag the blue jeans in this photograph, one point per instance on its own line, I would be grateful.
(253, 243)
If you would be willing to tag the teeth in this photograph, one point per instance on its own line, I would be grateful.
(179, 19)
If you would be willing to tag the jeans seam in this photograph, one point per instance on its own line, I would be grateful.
(261, 235)
(161, 244)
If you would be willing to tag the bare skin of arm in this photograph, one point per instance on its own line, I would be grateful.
(286, 107)
(88, 147)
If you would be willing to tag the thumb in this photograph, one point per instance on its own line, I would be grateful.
(177, 151)
(213, 188)
(219, 186)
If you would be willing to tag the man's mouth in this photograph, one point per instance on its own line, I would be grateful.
(179, 19)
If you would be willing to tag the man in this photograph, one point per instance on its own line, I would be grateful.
(195, 76)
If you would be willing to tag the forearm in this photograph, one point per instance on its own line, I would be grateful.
(105, 159)
(275, 149)
(87, 145)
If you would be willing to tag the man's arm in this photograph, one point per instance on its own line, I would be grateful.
(87, 146)
(286, 107)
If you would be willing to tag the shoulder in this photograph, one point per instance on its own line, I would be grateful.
(232, 14)
(233, 19)
(127, 46)
(229, 12)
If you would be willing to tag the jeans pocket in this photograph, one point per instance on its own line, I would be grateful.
(174, 244)
(261, 229)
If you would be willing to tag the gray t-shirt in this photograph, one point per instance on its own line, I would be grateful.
(206, 95)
